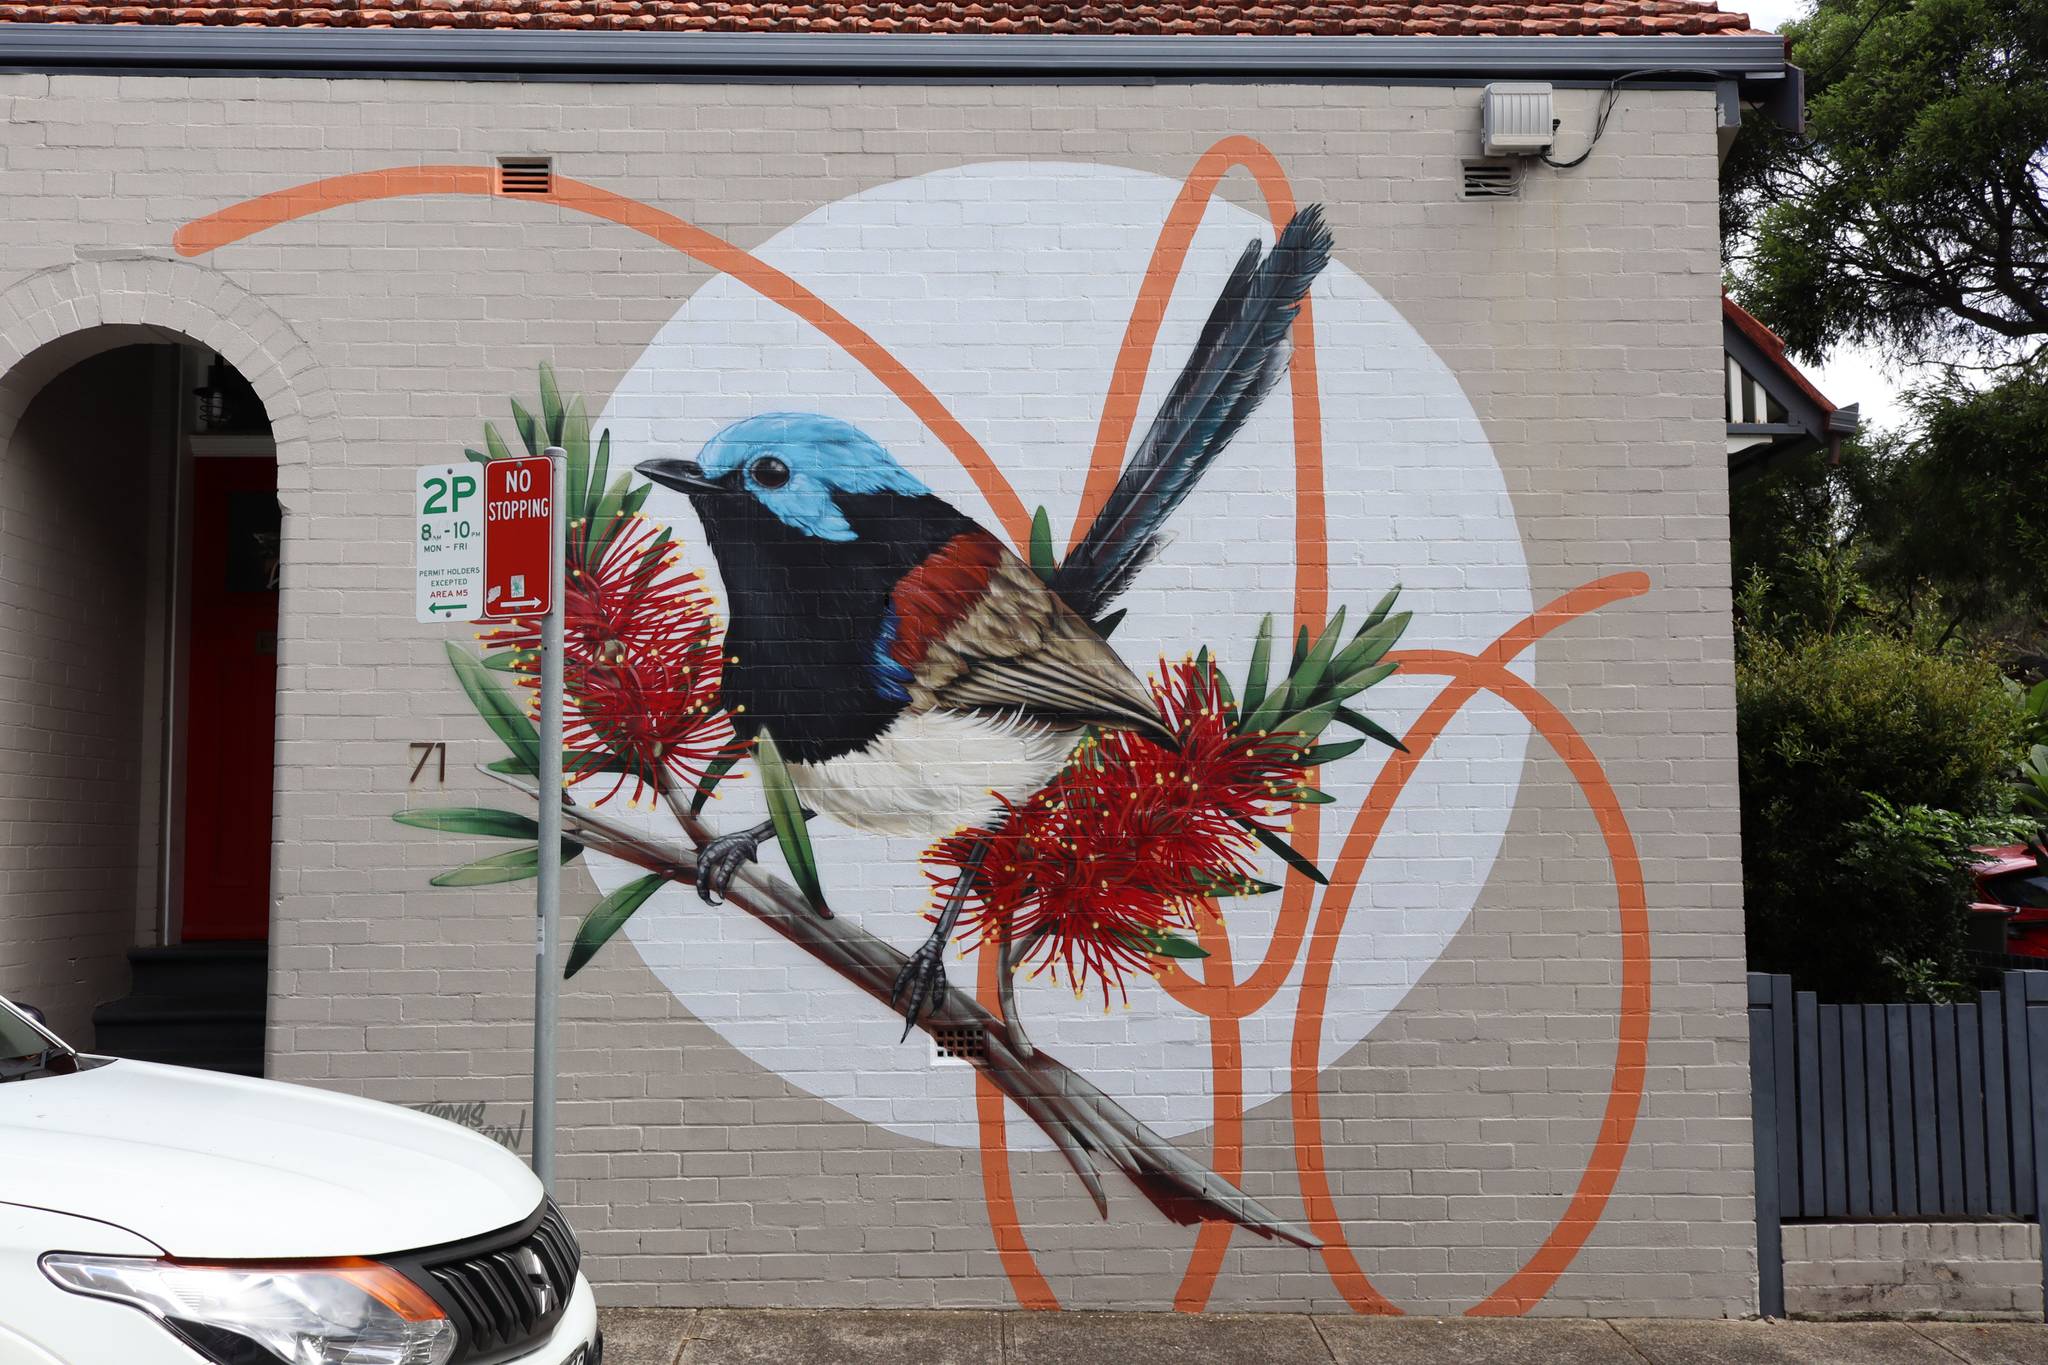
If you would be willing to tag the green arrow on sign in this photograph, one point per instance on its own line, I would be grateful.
(448, 606)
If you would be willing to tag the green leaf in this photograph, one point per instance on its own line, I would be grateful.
(713, 775)
(1308, 674)
(1380, 609)
(1358, 682)
(1309, 796)
(1330, 753)
(511, 660)
(1262, 656)
(551, 403)
(507, 721)
(574, 439)
(476, 456)
(1043, 562)
(1300, 651)
(480, 820)
(1288, 853)
(529, 430)
(1366, 726)
(606, 521)
(495, 444)
(1221, 887)
(607, 917)
(1371, 645)
(1110, 622)
(601, 466)
(1159, 943)
(1308, 723)
(787, 812)
(516, 866)
(634, 500)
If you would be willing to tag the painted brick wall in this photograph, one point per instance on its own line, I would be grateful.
(1579, 323)
(1932, 1270)
(71, 760)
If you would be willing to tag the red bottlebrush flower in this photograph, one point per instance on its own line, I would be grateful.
(641, 664)
(1131, 842)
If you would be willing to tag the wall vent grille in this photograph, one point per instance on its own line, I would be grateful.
(958, 1043)
(1492, 180)
(526, 174)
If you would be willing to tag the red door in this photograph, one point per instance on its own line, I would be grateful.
(230, 698)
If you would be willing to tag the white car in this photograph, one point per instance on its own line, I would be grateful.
(156, 1215)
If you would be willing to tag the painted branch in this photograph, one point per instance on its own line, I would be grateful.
(1077, 1116)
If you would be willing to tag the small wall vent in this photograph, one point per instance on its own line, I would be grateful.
(1492, 180)
(958, 1044)
(526, 174)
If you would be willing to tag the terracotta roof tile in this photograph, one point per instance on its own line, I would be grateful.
(1444, 17)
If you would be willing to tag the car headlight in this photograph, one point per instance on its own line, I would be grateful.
(341, 1312)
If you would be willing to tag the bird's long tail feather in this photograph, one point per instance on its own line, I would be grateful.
(1241, 353)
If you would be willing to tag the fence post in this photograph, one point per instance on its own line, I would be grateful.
(2033, 988)
(1763, 1089)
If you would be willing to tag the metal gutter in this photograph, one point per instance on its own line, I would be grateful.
(1756, 62)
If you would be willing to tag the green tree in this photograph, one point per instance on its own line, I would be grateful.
(1868, 766)
(1911, 212)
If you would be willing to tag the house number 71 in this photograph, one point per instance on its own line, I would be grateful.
(428, 752)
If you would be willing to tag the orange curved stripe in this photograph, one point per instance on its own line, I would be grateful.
(1226, 1103)
(1027, 1282)
(238, 221)
(1469, 676)
(1210, 996)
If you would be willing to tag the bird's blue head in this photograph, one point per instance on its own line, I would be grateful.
(794, 464)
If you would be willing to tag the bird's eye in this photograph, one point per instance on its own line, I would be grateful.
(769, 472)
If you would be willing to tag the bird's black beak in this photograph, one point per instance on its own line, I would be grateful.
(685, 476)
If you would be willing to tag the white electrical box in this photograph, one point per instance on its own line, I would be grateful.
(1515, 118)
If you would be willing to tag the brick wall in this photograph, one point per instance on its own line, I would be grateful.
(1574, 339)
(1930, 1270)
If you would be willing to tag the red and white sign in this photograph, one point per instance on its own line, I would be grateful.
(519, 508)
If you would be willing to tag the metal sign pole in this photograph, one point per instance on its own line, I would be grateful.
(548, 893)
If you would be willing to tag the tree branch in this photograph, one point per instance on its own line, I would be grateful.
(1079, 1118)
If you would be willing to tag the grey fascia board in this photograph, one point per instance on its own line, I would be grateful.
(1756, 61)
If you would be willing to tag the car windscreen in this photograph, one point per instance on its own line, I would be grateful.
(2029, 890)
(18, 1038)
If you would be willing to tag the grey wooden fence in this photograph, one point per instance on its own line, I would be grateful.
(1895, 1113)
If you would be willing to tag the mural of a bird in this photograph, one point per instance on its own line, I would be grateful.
(915, 673)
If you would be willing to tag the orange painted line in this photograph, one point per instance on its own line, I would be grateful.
(1226, 1105)
(1470, 675)
(1222, 1000)
(245, 219)
(1027, 1282)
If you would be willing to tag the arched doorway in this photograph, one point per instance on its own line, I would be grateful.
(140, 587)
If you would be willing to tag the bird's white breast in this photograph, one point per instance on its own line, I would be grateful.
(928, 775)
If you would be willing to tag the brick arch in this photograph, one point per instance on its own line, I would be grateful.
(53, 319)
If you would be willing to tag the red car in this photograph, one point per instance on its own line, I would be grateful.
(2010, 913)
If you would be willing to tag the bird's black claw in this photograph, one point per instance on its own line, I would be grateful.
(923, 981)
(719, 861)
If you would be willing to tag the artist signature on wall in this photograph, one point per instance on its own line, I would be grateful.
(474, 1116)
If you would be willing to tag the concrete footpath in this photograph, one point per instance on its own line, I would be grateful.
(734, 1337)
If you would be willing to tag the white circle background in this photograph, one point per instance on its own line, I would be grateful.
(1006, 288)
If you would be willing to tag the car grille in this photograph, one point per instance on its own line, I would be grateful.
(505, 1292)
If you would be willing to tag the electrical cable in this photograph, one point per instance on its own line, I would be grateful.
(1607, 108)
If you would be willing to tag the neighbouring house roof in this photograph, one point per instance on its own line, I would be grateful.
(1618, 18)
(1774, 411)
